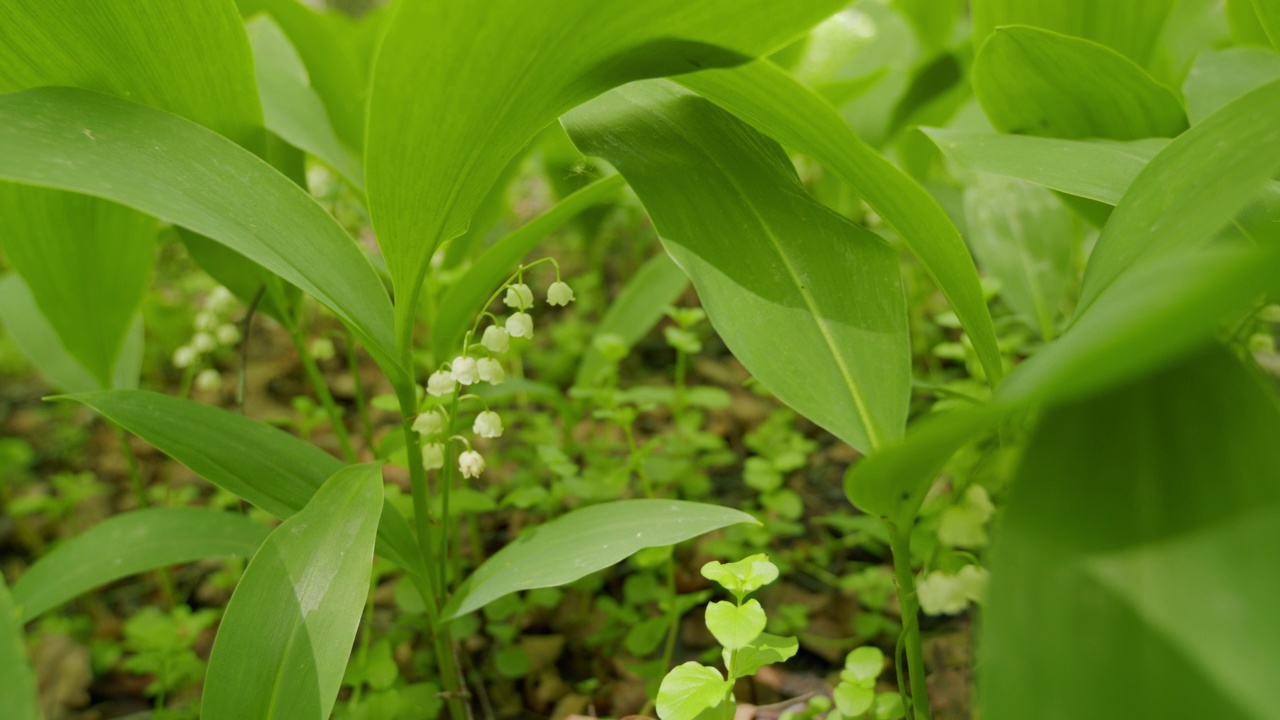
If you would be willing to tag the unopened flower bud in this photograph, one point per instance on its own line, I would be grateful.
(184, 356)
(208, 380)
(428, 423)
(496, 339)
(322, 349)
(490, 371)
(471, 463)
(227, 334)
(488, 425)
(205, 321)
(559, 294)
(520, 325)
(440, 383)
(432, 456)
(464, 370)
(219, 299)
(203, 342)
(519, 296)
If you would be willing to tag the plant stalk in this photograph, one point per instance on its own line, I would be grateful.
(322, 392)
(900, 546)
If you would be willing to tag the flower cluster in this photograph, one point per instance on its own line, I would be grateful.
(479, 362)
(213, 329)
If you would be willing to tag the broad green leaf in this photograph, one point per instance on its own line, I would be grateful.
(864, 665)
(37, 339)
(129, 544)
(584, 541)
(1246, 28)
(447, 111)
(742, 577)
(1099, 170)
(169, 167)
(290, 107)
(285, 639)
(1025, 238)
(810, 303)
(1268, 14)
(264, 465)
(853, 700)
(735, 626)
(777, 105)
(1177, 476)
(86, 260)
(1220, 76)
(633, 313)
(466, 298)
(1036, 82)
(688, 690)
(1131, 28)
(1190, 189)
(17, 683)
(765, 649)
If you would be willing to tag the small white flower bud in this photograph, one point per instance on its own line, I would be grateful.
(464, 370)
(440, 383)
(227, 334)
(432, 456)
(203, 342)
(496, 339)
(205, 321)
(428, 423)
(488, 425)
(208, 380)
(520, 325)
(322, 349)
(219, 299)
(184, 356)
(490, 371)
(519, 296)
(559, 294)
(471, 463)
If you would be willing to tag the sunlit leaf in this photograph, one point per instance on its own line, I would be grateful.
(688, 690)
(285, 638)
(1132, 28)
(810, 303)
(765, 649)
(735, 626)
(129, 544)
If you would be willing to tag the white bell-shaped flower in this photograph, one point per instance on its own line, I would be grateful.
(227, 334)
(322, 349)
(184, 356)
(208, 380)
(491, 371)
(205, 321)
(219, 299)
(440, 383)
(428, 423)
(432, 456)
(520, 325)
(471, 463)
(203, 342)
(464, 370)
(559, 294)
(519, 296)
(488, 425)
(496, 339)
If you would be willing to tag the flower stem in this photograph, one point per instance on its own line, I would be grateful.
(900, 546)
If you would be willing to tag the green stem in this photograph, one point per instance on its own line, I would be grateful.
(637, 461)
(322, 392)
(900, 545)
(131, 462)
(673, 617)
(446, 483)
(681, 364)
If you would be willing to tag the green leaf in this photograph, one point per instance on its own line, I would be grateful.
(287, 633)
(1176, 475)
(1132, 28)
(466, 298)
(633, 313)
(1220, 76)
(735, 626)
(688, 690)
(129, 544)
(1025, 238)
(87, 261)
(291, 108)
(1098, 170)
(584, 541)
(765, 649)
(38, 340)
(743, 577)
(864, 665)
(447, 111)
(17, 683)
(262, 464)
(777, 105)
(1190, 189)
(810, 303)
(853, 700)
(1268, 14)
(1036, 82)
(166, 166)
